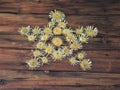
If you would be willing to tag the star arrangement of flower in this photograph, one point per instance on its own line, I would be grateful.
(56, 41)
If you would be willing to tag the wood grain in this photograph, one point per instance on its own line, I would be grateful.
(38, 78)
(103, 61)
(104, 50)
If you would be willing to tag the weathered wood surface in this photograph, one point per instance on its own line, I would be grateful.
(104, 50)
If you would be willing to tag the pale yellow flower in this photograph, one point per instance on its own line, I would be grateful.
(62, 24)
(57, 41)
(36, 53)
(36, 30)
(83, 39)
(33, 63)
(85, 64)
(44, 37)
(49, 49)
(57, 16)
(66, 50)
(75, 46)
(66, 31)
(73, 60)
(57, 55)
(25, 30)
(57, 30)
(31, 38)
(40, 45)
(47, 30)
(79, 31)
(70, 38)
(44, 60)
(81, 55)
(91, 31)
(51, 24)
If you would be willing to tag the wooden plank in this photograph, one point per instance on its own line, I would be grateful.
(77, 7)
(37, 79)
(103, 61)
(20, 42)
(10, 23)
(50, 87)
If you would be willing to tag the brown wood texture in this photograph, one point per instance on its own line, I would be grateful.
(104, 50)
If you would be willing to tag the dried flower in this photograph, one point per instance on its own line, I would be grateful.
(47, 30)
(49, 49)
(44, 60)
(33, 63)
(57, 41)
(62, 24)
(40, 45)
(83, 38)
(31, 38)
(36, 53)
(85, 64)
(51, 24)
(57, 55)
(73, 60)
(56, 16)
(81, 55)
(91, 31)
(57, 30)
(79, 31)
(36, 30)
(25, 30)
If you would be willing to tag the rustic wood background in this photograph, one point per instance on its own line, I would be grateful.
(104, 50)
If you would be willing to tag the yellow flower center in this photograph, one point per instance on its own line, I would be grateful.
(57, 41)
(44, 37)
(36, 53)
(90, 32)
(57, 31)
(66, 50)
(79, 31)
(57, 54)
(85, 65)
(24, 30)
(44, 60)
(36, 31)
(31, 38)
(51, 24)
(66, 31)
(83, 39)
(56, 16)
(70, 37)
(73, 61)
(49, 49)
(32, 63)
(62, 24)
(75, 46)
(40, 45)
(80, 55)
(47, 31)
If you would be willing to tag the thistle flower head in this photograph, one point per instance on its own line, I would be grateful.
(72, 60)
(44, 60)
(57, 16)
(57, 55)
(57, 31)
(91, 31)
(24, 30)
(31, 38)
(57, 41)
(85, 64)
(36, 30)
(33, 63)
